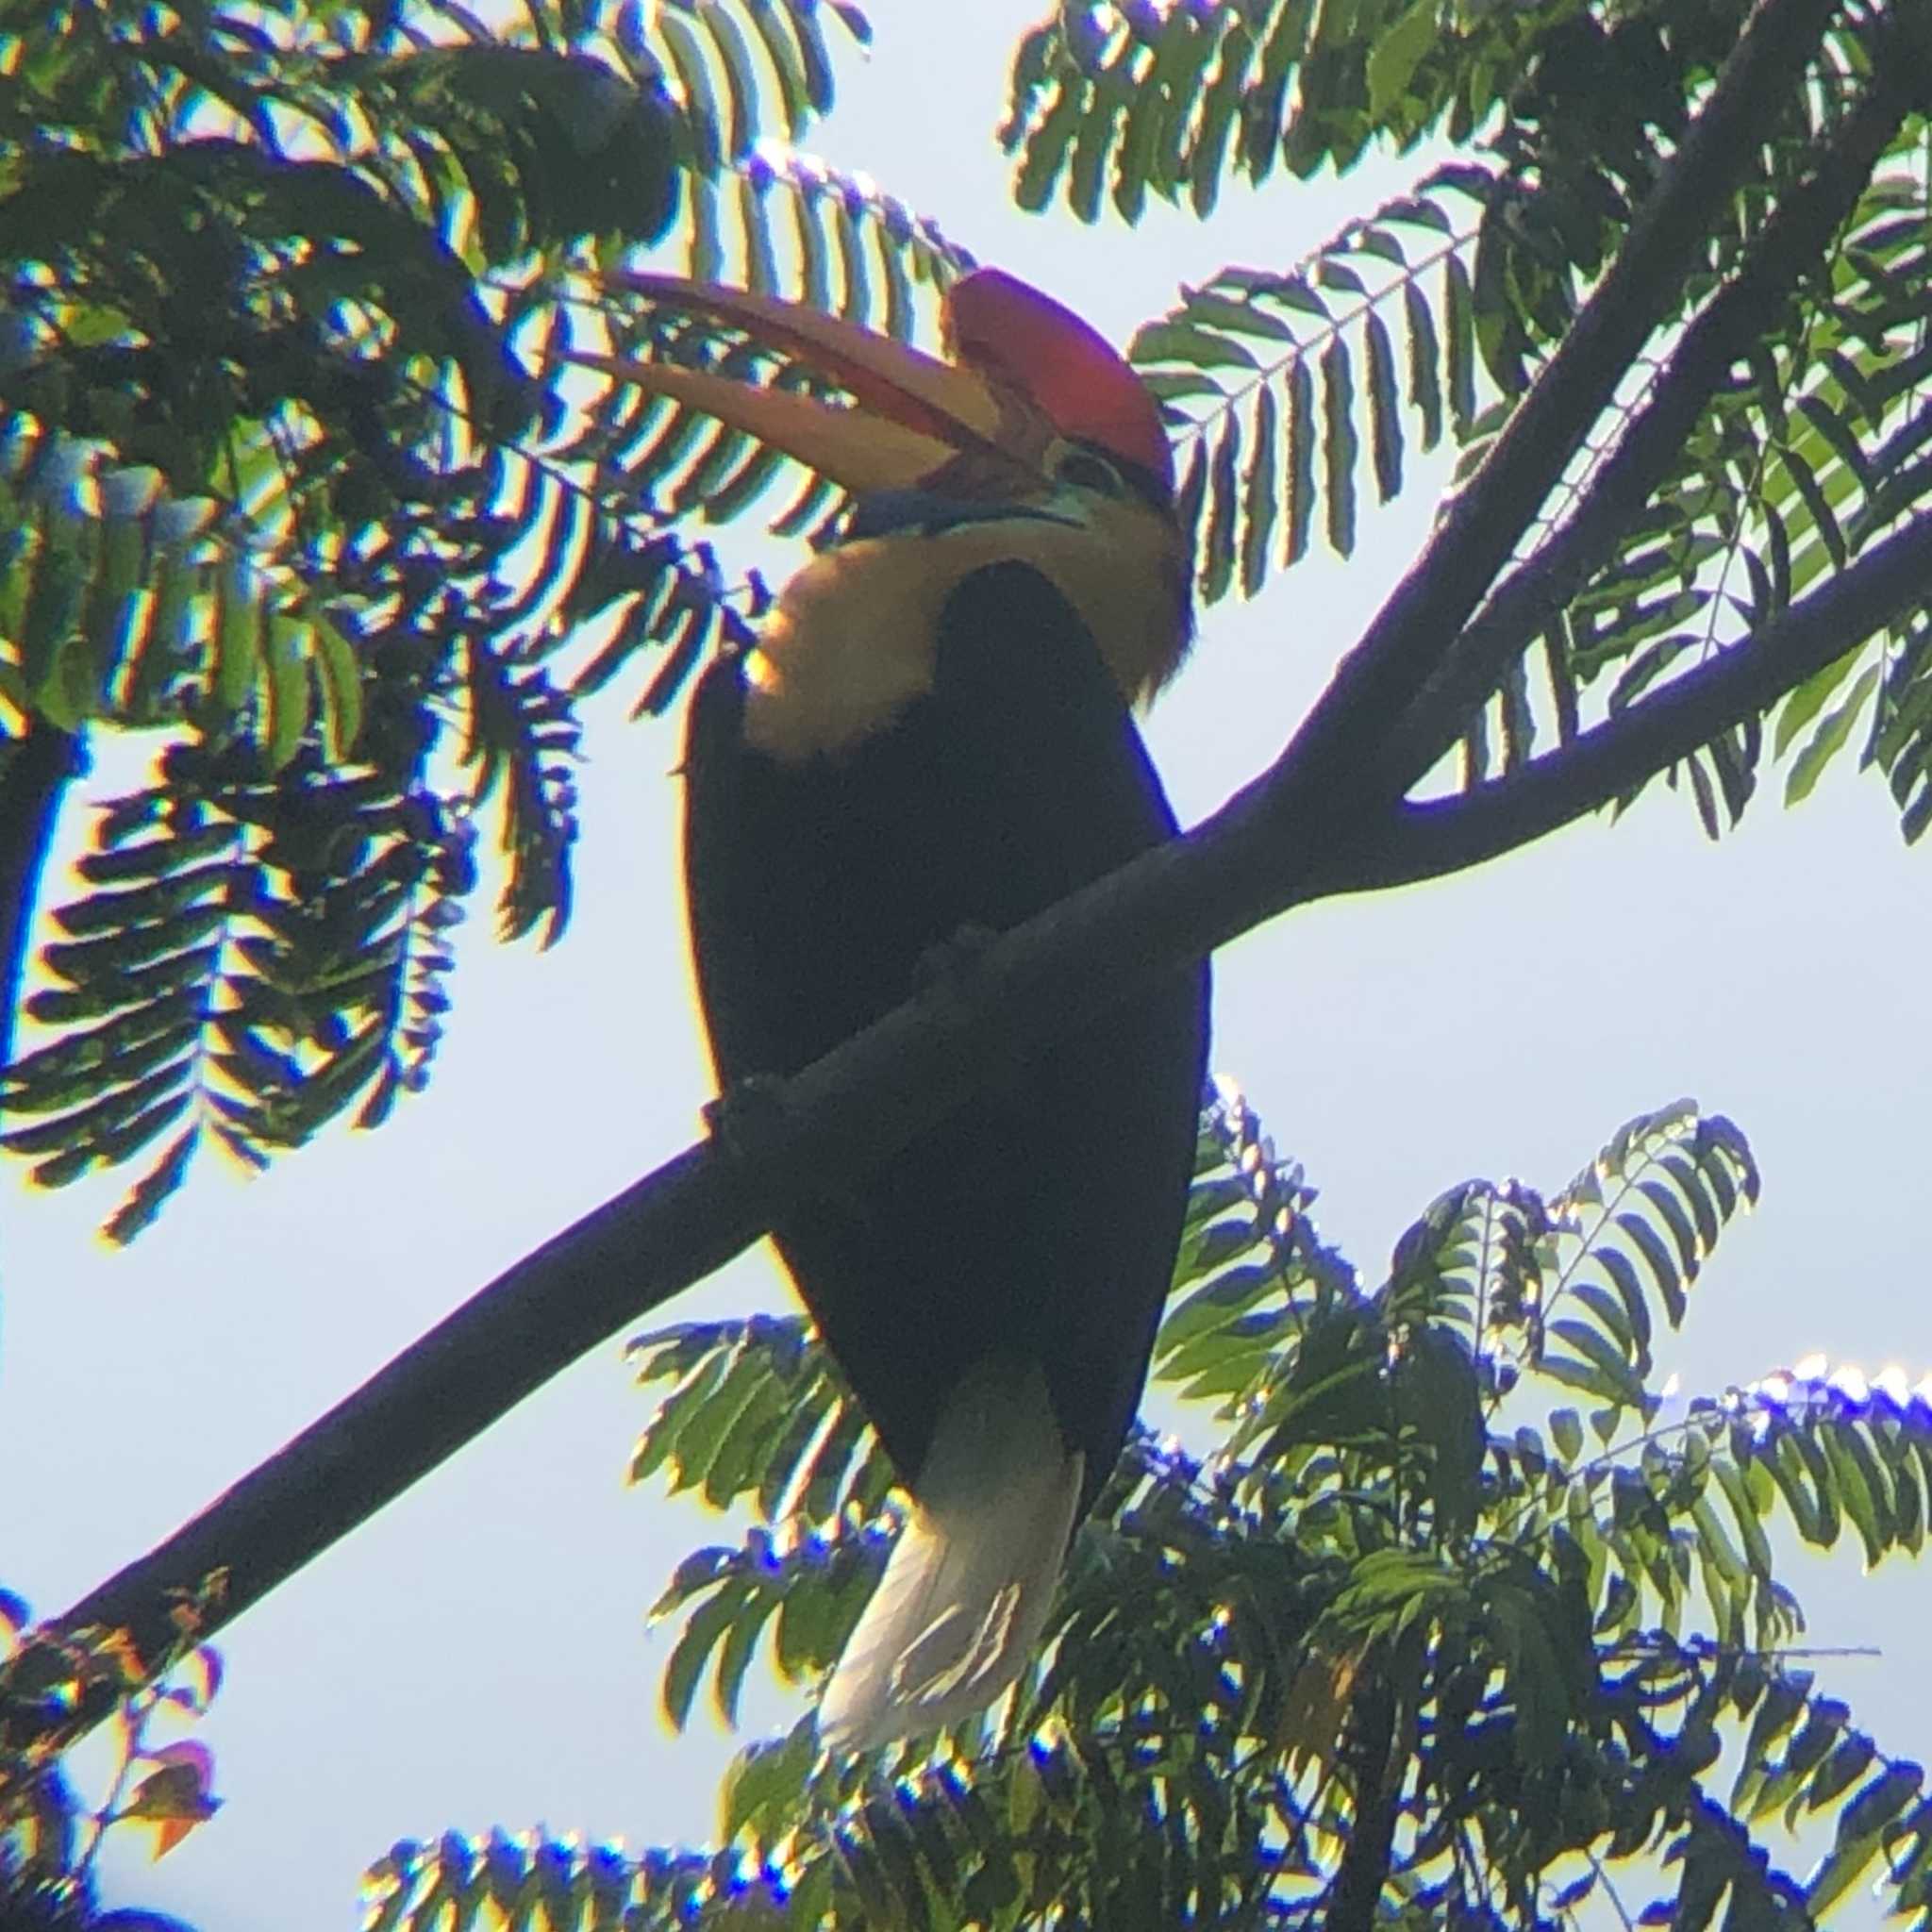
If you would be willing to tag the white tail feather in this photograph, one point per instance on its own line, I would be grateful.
(967, 1589)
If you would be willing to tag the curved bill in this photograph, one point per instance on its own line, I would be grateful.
(910, 414)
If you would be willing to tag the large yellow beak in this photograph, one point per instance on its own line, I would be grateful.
(910, 414)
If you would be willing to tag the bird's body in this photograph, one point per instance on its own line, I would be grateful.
(934, 735)
(1040, 1221)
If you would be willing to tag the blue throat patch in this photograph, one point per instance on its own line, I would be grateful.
(927, 513)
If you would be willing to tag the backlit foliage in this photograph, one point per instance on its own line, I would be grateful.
(294, 475)
(1455, 1578)
(1297, 389)
(50, 1830)
(287, 476)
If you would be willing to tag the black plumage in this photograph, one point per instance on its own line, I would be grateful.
(1039, 1223)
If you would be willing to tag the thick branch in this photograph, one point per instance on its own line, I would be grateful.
(474, 1366)
(1612, 758)
(1415, 628)
(1790, 246)
(33, 779)
(1271, 848)
(1381, 1743)
(1364, 1869)
(840, 1117)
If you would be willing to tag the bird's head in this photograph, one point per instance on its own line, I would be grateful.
(1031, 441)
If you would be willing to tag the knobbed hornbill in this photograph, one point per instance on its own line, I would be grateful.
(933, 735)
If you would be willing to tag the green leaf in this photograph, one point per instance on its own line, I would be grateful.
(1340, 446)
(1397, 51)
(288, 690)
(763, 1786)
(1881, 1801)
(342, 686)
(1613, 1316)
(1829, 739)
(1182, 340)
(1615, 1379)
(740, 80)
(1301, 462)
(686, 58)
(1846, 1765)
(1662, 1263)
(1438, 1398)
(1459, 332)
(1810, 698)
(1385, 410)
(238, 637)
(1808, 1495)
(735, 1656)
(1861, 1836)
(1425, 364)
(1216, 542)
(1258, 501)
(1749, 1518)
(703, 1631)
(1860, 1496)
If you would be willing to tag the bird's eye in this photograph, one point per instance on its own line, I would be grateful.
(1086, 471)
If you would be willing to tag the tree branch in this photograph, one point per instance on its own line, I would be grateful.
(1364, 1868)
(1416, 629)
(1381, 1743)
(1789, 245)
(33, 777)
(1273, 848)
(1612, 758)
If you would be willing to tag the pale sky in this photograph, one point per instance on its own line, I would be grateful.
(477, 1656)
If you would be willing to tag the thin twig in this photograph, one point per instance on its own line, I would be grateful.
(1616, 1905)
(1445, 835)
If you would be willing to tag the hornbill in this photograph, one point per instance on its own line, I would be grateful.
(932, 737)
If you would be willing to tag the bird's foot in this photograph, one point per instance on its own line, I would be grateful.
(744, 1118)
(952, 965)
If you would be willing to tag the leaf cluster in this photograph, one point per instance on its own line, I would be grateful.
(283, 478)
(1382, 1604)
(1111, 104)
(50, 1834)
(253, 954)
(1298, 390)
(757, 1414)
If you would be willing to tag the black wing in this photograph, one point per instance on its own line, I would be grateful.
(1039, 1222)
